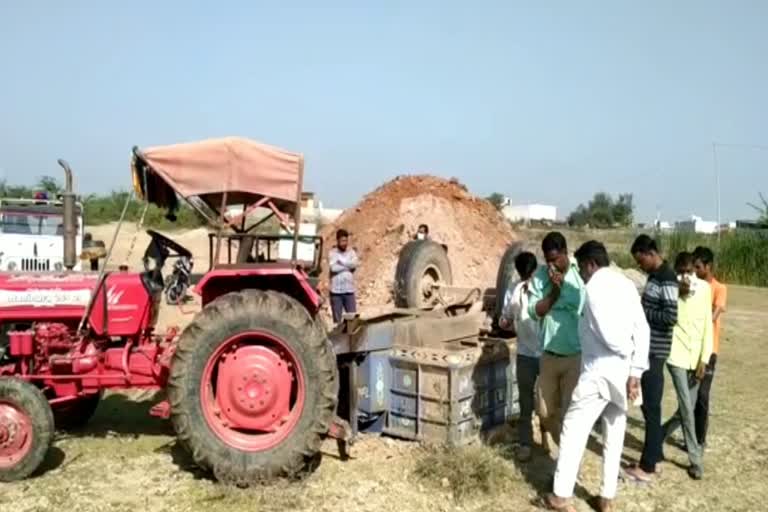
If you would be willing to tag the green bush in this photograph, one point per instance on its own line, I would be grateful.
(741, 257)
(105, 209)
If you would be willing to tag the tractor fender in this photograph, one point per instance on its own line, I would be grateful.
(286, 279)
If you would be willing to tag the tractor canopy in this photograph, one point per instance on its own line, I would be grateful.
(219, 172)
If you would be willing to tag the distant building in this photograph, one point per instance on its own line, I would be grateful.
(697, 225)
(312, 210)
(529, 212)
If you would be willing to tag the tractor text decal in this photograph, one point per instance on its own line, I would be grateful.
(44, 298)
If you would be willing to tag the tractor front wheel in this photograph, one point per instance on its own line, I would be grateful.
(253, 387)
(26, 429)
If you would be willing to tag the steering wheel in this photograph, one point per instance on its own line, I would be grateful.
(160, 248)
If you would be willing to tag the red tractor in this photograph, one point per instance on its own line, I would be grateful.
(252, 382)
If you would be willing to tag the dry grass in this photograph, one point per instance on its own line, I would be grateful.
(468, 472)
(127, 461)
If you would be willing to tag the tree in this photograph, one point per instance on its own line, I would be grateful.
(762, 210)
(623, 210)
(497, 200)
(49, 185)
(603, 211)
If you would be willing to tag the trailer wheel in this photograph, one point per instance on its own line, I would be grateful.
(505, 277)
(77, 414)
(26, 429)
(253, 387)
(422, 263)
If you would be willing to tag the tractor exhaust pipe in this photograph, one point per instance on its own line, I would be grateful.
(70, 219)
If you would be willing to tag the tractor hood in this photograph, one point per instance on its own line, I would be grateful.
(247, 171)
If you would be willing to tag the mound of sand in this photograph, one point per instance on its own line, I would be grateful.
(387, 218)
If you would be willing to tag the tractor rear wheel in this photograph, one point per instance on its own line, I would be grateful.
(253, 387)
(26, 429)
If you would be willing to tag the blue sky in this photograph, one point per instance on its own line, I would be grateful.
(545, 103)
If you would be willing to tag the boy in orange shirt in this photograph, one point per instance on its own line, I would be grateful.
(703, 263)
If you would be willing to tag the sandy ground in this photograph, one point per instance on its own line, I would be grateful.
(126, 460)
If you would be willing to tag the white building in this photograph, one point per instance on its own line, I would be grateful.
(697, 225)
(529, 212)
(312, 210)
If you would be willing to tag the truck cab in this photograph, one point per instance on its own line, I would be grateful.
(32, 235)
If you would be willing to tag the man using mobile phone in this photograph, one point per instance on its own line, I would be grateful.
(556, 301)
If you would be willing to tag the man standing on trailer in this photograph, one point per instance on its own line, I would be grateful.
(556, 301)
(614, 341)
(343, 262)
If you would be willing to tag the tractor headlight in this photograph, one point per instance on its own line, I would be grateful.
(11, 266)
(58, 267)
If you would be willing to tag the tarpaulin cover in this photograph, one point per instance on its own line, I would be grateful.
(243, 168)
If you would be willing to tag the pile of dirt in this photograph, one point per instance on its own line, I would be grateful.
(386, 219)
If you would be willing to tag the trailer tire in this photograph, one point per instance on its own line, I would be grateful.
(505, 278)
(26, 424)
(279, 330)
(420, 262)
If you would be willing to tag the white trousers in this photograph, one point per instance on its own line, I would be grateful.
(586, 407)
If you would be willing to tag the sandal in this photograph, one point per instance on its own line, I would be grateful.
(545, 503)
(635, 474)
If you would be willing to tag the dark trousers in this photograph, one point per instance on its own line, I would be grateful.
(527, 372)
(701, 412)
(342, 302)
(652, 386)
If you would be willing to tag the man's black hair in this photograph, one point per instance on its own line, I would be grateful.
(683, 259)
(704, 255)
(525, 264)
(593, 251)
(645, 245)
(554, 241)
(426, 228)
(342, 233)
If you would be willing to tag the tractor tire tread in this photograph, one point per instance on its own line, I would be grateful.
(290, 457)
(32, 400)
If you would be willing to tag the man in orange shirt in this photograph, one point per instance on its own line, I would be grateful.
(703, 263)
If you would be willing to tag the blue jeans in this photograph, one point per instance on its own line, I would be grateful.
(527, 373)
(342, 302)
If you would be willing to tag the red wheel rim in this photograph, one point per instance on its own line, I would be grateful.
(252, 391)
(16, 434)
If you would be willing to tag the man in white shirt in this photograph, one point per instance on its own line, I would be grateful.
(614, 339)
(515, 313)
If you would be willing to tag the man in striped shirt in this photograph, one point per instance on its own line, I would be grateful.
(660, 306)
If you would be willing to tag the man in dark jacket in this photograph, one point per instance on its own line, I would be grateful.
(660, 306)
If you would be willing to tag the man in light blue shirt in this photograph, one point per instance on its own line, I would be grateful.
(343, 263)
(556, 301)
(515, 313)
